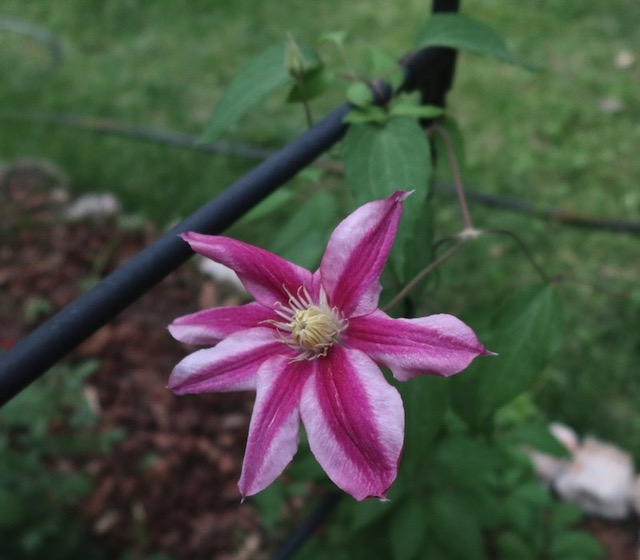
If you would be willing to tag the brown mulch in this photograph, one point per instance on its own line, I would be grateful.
(170, 485)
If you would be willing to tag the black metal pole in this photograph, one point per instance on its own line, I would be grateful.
(41, 349)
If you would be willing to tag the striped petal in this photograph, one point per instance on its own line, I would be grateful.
(210, 326)
(356, 254)
(436, 345)
(267, 277)
(274, 431)
(355, 422)
(229, 366)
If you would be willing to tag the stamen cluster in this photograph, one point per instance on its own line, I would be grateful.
(312, 329)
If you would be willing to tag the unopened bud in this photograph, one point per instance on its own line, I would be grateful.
(293, 58)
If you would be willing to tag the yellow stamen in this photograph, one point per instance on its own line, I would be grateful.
(312, 328)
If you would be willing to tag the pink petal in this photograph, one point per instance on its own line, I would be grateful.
(266, 276)
(355, 422)
(437, 345)
(210, 326)
(274, 431)
(229, 366)
(356, 254)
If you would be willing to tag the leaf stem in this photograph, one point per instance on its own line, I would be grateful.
(424, 272)
(457, 178)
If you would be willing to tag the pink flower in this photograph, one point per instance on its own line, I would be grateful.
(310, 346)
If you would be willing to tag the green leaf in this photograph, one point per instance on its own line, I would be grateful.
(270, 204)
(576, 544)
(253, 83)
(539, 437)
(366, 513)
(432, 550)
(385, 65)
(511, 546)
(310, 85)
(425, 401)
(416, 111)
(366, 115)
(533, 494)
(462, 32)
(359, 94)
(12, 511)
(302, 239)
(337, 37)
(406, 529)
(461, 460)
(270, 503)
(524, 331)
(566, 515)
(454, 527)
(380, 160)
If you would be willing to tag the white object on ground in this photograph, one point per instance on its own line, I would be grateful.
(598, 477)
(92, 205)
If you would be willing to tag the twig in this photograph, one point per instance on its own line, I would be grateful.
(457, 178)
(424, 272)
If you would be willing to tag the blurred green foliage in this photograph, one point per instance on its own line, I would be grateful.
(49, 422)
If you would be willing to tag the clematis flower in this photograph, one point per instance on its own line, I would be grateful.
(311, 345)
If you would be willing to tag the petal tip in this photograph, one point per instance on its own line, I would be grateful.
(401, 196)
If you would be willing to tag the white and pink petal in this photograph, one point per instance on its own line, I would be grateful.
(274, 431)
(230, 366)
(435, 345)
(356, 254)
(355, 422)
(267, 277)
(210, 326)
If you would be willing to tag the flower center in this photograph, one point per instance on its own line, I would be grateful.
(312, 328)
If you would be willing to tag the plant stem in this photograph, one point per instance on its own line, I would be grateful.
(424, 272)
(457, 178)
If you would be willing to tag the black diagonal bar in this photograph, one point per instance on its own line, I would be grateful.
(38, 351)
(41, 349)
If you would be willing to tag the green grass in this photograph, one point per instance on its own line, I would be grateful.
(543, 137)
(538, 136)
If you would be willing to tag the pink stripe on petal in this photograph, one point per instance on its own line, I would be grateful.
(267, 277)
(355, 422)
(210, 326)
(356, 254)
(274, 431)
(229, 366)
(436, 345)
